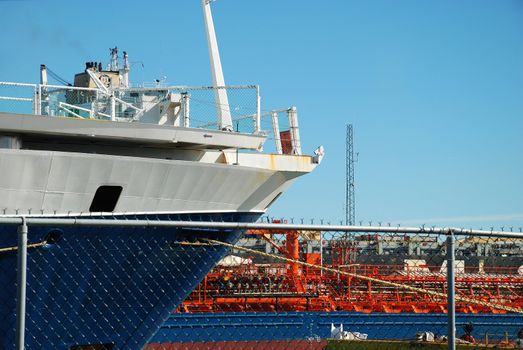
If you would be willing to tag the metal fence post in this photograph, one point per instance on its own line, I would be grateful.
(451, 303)
(21, 285)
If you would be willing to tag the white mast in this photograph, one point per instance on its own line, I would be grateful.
(220, 95)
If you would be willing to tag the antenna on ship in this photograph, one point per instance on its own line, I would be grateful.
(113, 66)
(220, 94)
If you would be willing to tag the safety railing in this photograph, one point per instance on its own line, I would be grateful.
(190, 107)
(181, 106)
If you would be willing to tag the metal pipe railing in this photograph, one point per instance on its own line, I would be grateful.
(451, 289)
(86, 221)
(21, 280)
(114, 100)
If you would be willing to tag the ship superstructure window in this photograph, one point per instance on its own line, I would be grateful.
(105, 198)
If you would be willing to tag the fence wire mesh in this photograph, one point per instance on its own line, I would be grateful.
(166, 288)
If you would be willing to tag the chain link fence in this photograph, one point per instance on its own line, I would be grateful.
(217, 283)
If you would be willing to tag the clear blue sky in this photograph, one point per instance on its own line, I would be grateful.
(434, 89)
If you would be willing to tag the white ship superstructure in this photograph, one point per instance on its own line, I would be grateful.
(55, 165)
(160, 149)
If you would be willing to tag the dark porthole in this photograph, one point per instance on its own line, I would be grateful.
(105, 198)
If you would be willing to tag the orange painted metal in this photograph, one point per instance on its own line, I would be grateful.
(292, 287)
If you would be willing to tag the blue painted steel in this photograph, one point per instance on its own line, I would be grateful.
(105, 285)
(303, 325)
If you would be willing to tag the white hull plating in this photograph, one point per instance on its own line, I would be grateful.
(38, 182)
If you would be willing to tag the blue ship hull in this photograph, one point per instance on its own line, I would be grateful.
(292, 326)
(109, 286)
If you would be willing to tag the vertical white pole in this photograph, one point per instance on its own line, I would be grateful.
(258, 111)
(126, 68)
(43, 82)
(185, 109)
(43, 74)
(220, 94)
(451, 303)
(94, 105)
(113, 107)
(39, 106)
(276, 132)
(21, 280)
(295, 134)
(35, 100)
(321, 252)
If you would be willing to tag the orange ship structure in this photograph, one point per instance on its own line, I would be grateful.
(240, 285)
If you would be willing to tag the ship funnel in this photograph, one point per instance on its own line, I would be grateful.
(220, 95)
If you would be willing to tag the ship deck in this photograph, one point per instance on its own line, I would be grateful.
(153, 135)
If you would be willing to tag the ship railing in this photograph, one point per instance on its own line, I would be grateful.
(431, 270)
(273, 277)
(182, 106)
(18, 97)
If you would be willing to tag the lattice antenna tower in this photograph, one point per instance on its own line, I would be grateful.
(350, 204)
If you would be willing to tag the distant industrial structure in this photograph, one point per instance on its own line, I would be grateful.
(350, 201)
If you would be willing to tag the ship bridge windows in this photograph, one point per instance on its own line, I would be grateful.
(105, 198)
